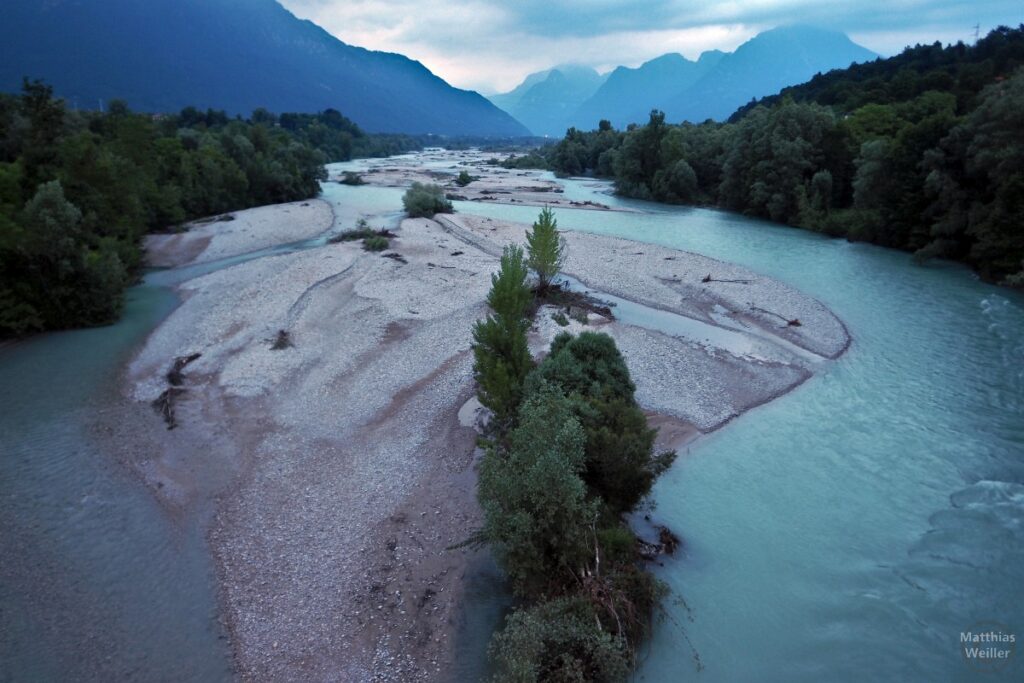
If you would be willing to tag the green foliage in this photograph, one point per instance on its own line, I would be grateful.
(553, 485)
(54, 272)
(558, 641)
(591, 373)
(375, 243)
(465, 178)
(424, 200)
(351, 178)
(545, 248)
(500, 351)
(509, 296)
(531, 160)
(560, 319)
(919, 152)
(536, 513)
(126, 174)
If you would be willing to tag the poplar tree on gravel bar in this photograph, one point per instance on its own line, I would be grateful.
(501, 355)
(546, 249)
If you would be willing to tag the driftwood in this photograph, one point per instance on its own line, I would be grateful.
(667, 544)
(174, 376)
(794, 322)
(282, 341)
(708, 278)
(164, 404)
(395, 256)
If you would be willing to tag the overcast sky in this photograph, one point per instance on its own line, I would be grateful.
(490, 45)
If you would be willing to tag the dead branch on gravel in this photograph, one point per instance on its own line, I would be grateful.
(794, 322)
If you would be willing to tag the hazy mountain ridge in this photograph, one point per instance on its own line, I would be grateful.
(235, 55)
(765, 64)
(714, 86)
(545, 100)
(616, 99)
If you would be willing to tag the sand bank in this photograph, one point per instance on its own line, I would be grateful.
(342, 469)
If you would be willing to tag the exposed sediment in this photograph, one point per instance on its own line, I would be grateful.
(344, 470)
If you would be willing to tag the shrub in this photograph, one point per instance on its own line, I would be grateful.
(423, 201)
(559, 641)
(536, 512)
(465, 179)
(546, 249)
(351, 178)
(375, 243)
(620, 464)
(560, 318)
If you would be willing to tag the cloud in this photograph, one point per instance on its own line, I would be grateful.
(491, 45)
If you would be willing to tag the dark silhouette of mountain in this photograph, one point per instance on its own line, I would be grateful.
(761, 66)
(236, 55)
(648, 86)
(545, 100)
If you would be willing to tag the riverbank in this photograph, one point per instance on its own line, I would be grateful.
(491, 183)
(339, 466)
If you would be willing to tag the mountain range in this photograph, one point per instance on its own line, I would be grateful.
(713, 86)
(235, 55)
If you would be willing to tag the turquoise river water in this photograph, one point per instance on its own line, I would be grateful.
(848, 531)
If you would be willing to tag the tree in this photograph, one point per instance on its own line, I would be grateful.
(536, 512)
(546, 249)
(590, 372)
(558, 641)
(500, 351)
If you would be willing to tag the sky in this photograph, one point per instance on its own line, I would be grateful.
(491, 45)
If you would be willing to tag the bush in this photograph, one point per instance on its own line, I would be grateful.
(559, 641)
(423, 201)
(465, 179)
(351, 178)
(589, 370)
(560, 318)
(375, 243)
(536, 512)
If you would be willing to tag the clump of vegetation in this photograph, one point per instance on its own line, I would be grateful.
(620, 465)
(465, 178)
(351, 178)
(579, 315)
(560, 318)
(560, 640)
(375, 243)
(531, 160)
(362, 231)
(425, 200)
(546, 249)
(569, 454)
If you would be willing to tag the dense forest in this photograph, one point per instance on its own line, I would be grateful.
(78, 190)
(923, 152)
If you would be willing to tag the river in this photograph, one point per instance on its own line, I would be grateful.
(852, 529)
(848, 531)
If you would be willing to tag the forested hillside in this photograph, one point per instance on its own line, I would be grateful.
(922, 152)
(79, 189)
(235, 55)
